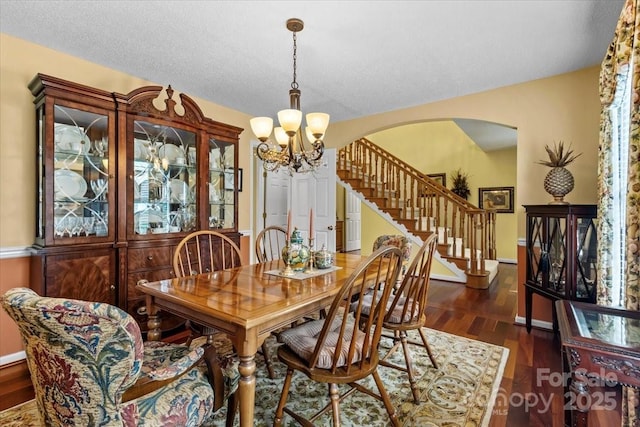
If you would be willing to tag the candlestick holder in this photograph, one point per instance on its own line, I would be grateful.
(287, 271)
(310, 268)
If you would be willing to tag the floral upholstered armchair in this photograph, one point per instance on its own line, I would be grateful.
(89, 366)
(398, 241)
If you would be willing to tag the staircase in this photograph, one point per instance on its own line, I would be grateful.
(466, 234)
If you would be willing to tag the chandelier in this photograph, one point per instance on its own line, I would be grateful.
(291, 151)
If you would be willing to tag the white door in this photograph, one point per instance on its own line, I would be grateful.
(275, 194)
(352, 222)
(325, 207)
(316, 191)
(279, 192)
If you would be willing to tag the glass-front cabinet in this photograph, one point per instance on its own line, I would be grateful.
(165, 179)
(561, 254)
(121, 179)
(73, 255)
(176, 164)
(78, 194)
(222, 184)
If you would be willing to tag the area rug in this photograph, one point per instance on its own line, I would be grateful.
(460, 393)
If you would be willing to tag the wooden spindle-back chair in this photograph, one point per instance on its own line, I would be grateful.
(406, 310)
(335, 350)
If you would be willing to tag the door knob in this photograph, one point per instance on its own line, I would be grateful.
(330, 227)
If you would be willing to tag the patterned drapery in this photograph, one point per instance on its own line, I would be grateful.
(619, 232)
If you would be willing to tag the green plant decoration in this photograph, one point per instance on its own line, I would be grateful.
(558, 158)
(559, 181)
(460, 184)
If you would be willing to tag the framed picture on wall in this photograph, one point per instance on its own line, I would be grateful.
(498, 198)
(440, 178)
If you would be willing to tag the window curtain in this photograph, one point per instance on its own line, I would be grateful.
(619, 179)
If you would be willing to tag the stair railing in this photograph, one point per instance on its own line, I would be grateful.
(421, 204)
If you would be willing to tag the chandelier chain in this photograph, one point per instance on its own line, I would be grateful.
(294, 83)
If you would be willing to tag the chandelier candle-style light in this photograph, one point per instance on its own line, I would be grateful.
(291, 151)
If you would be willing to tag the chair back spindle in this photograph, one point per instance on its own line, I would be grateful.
(204, 252)
(270, 242)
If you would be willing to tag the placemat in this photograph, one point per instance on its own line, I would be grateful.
(301, 275)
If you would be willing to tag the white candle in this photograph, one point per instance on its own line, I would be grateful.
(311, 230)
(288, 225)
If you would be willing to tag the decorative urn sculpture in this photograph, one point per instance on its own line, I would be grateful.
(323, 258)
(296, 254)
(559, 180)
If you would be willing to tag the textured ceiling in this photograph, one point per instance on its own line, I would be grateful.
(355, 58)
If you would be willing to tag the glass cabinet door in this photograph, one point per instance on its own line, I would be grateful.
(562, 255)
(222, 184)
(164, 179)
(81, 180)
(586, 257)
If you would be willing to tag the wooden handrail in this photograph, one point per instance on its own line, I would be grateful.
(420, 203)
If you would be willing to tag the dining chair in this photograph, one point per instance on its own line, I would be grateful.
(204, 252)
(334, 350)
(406, 310)
(270, 242)
(90, 366)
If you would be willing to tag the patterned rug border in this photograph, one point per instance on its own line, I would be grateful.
(14, 416)
(499, 374)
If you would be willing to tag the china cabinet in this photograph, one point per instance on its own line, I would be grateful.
(561, 255)
(121, 179)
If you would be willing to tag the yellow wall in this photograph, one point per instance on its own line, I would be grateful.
(442, 147)
(564, 107)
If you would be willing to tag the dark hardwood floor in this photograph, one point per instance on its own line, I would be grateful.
(531, 392)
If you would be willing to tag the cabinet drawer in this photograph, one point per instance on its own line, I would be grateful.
(151, 276)
(145, 258)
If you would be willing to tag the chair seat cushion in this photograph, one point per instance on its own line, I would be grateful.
(303, 339)
(396, 315)
(188, 401)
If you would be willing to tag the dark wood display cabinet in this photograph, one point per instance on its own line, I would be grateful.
(561, 255)
(121, 179)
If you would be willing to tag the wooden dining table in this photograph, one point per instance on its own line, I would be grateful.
(248, 304)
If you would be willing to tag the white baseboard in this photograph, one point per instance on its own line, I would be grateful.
(14, 252)
(507, 260)
(519, 320)
(447, 278)
(10, 358)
